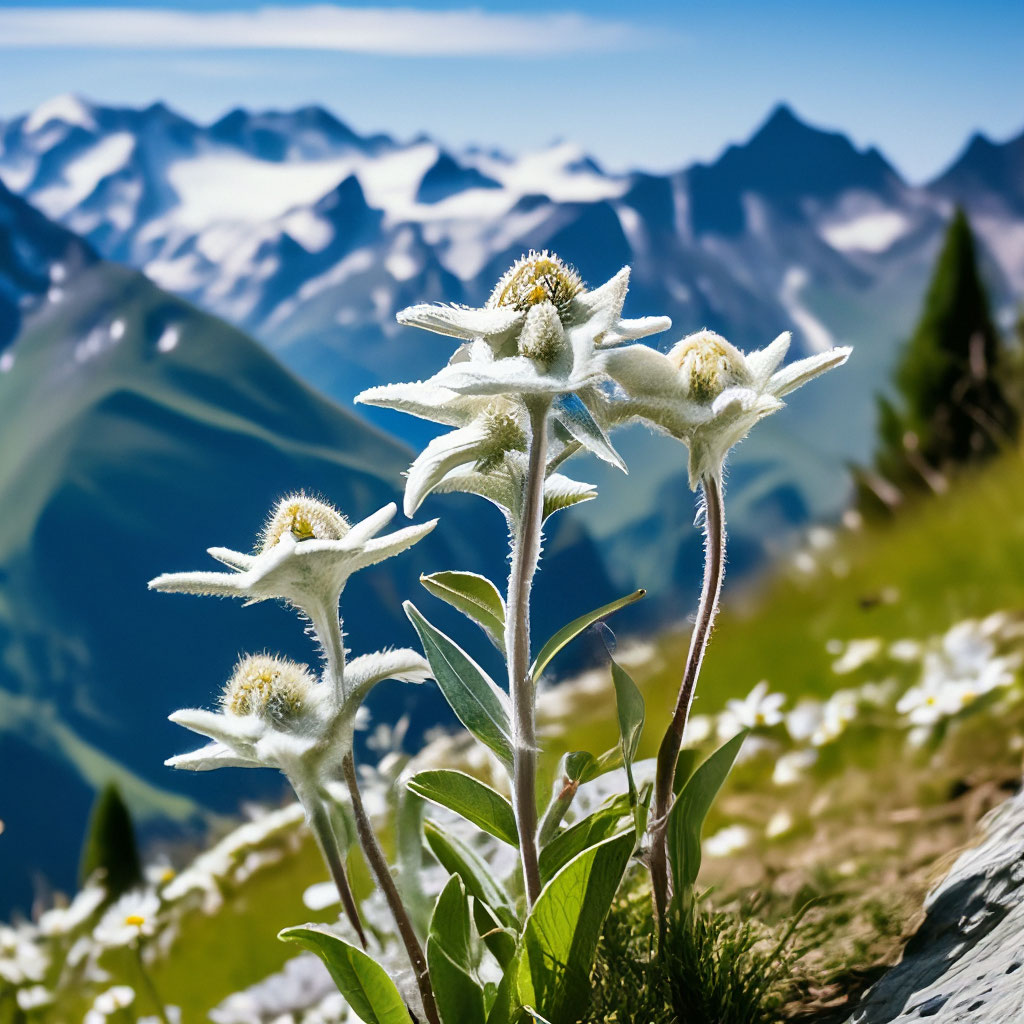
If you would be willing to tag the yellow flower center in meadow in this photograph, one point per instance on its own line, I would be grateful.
(708, 364)
(267, 686)
(304, 518)
(535, 278)
(135, 920)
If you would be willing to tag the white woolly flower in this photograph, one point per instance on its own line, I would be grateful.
(706, 392)
(540, 337)
(758, 709)
(275, 714)
(306, 554)
(130, 918)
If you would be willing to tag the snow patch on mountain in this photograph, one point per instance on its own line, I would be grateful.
(869, 232)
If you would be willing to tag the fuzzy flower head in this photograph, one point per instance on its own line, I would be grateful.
(706, 392)
(274, 713)
(305, 556)
(539, 339)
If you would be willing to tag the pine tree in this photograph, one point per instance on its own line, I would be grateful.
(109, 847)
(954, 404)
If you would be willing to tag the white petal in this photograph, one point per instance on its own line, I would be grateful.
(404, 664)
(641, 370)
(232, 730)
(602, 305)
(632, 330)
(391, 544)
(213, 755)
(216, 584)
(461, 321)
(789, 378)
(425, 400)
(235, 559)
(370, 526)
(765, 361)
(440, 457)
(511, 376)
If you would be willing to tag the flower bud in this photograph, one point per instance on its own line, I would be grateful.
(268, 687)
(542, 338)
(535, 278)
(708, 364)
(504, 434)
(304, 518)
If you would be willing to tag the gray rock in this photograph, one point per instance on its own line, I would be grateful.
(965, 961)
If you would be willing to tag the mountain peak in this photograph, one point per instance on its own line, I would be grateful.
(67, 108)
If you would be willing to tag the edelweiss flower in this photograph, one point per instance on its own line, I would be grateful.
(541, 336)
(706, 392)
(306, 554)
(275, 714)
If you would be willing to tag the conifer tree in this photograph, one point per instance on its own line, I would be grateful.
(110, 847)
(954, 402)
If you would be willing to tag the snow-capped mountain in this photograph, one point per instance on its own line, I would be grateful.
(310, 236)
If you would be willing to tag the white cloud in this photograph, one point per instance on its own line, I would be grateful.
(396, 31)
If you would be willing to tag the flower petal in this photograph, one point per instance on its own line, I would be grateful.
(632, 330)
(364, 672)
(370, 526)
(461, 321)
(236, 731)
(791, 377)
(213, 755)
(425, 400)
(440, 457)
(215, 584)
(234, 559)
(515, 375)
(640, 370)
(765, 361)
(379, 548)
(601, 305)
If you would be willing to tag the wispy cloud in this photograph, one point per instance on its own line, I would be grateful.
(395, 31)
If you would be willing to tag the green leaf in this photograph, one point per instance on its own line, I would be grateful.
(629, 704)
(498, 938)
(480, 706)
(475, 596)
(450, 958)
(458, 859)
(587, 832)
(502, 1010)
(409, 856)
(686, 818)
(360, 979)
(573, 630)
(562, 492)
(472, 799)
(556, 952)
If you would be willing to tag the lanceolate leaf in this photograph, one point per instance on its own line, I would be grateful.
(560, 937)
(360, 979)
(475, 596)
(585, 833)
(686, 819)
(476, 700)
(578, 421)
(573, 630)
(629, 703)
(458, 859)
(460, 999)
(469, 797)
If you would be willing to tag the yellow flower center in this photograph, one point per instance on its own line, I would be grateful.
(135, 920)
(304, 518)
(708, 364)
(535, 278)
(267, 686)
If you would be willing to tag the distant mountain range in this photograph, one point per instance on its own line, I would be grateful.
(139, 422)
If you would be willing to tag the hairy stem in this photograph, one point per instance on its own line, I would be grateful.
(319, 818)
(668, 752)
(327, 628)
(382, 872)
(526, 539)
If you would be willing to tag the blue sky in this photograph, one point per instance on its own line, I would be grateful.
(639, 85)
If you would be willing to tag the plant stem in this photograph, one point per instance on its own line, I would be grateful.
(147, 981)
(382, 872)
(668, 753)
(525, 556)
(319, 819)
(327, 628)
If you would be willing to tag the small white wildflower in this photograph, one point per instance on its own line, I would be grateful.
(132, 916)
(120, 997)
(779, 824)
(792, 766)
(804, 719)
(698, 729)
(906, 650)
(63, 920)
(857, 654)
(758, 709)
(838, 712)
(708, 393)
(22, 959)
(727, 841)
(34, 998)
